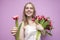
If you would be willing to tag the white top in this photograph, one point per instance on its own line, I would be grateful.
(30, 32)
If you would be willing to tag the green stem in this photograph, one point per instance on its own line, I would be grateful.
(38, 35)
(16, 23)
(17, 34)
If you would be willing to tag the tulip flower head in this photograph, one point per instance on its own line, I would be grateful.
(15, 17)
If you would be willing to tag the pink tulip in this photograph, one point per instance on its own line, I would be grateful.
(39, 17)
(42, 17)
(50, 23)
(46, 19)
(15, 17)
(33, 19)
(36, 17)
(16, 24)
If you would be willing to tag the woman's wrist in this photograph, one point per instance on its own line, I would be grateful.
(40, 27)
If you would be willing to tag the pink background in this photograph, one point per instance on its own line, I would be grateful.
(9, 8)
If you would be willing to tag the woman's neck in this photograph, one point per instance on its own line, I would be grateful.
(30, 20)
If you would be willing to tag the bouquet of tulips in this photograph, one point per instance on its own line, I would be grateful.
(45, 22)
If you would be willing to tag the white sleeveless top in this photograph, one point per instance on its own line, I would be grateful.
(30, 33)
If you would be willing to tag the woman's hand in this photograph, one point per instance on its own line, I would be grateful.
(40, 27)
(14, 30)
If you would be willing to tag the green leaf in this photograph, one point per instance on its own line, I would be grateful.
(18, 32)
(42, 21)
(45, 24)
(38, 34)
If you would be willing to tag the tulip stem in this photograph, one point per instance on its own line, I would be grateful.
(17, 34)
(16, 23)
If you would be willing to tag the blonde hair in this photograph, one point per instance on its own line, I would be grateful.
(24, 15)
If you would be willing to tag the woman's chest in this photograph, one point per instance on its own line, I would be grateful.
(30, 29)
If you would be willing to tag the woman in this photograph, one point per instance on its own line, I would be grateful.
(29, 28)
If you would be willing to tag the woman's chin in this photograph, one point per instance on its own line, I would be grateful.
(29, 15)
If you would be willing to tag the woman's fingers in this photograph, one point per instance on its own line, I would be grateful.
(14, 30)
(13, 34)
(40, 27)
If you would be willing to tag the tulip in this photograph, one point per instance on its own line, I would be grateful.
(33, 19)
(39, 18)
(50, 23)
(42, 16)
(16, 23)
(15, 17)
